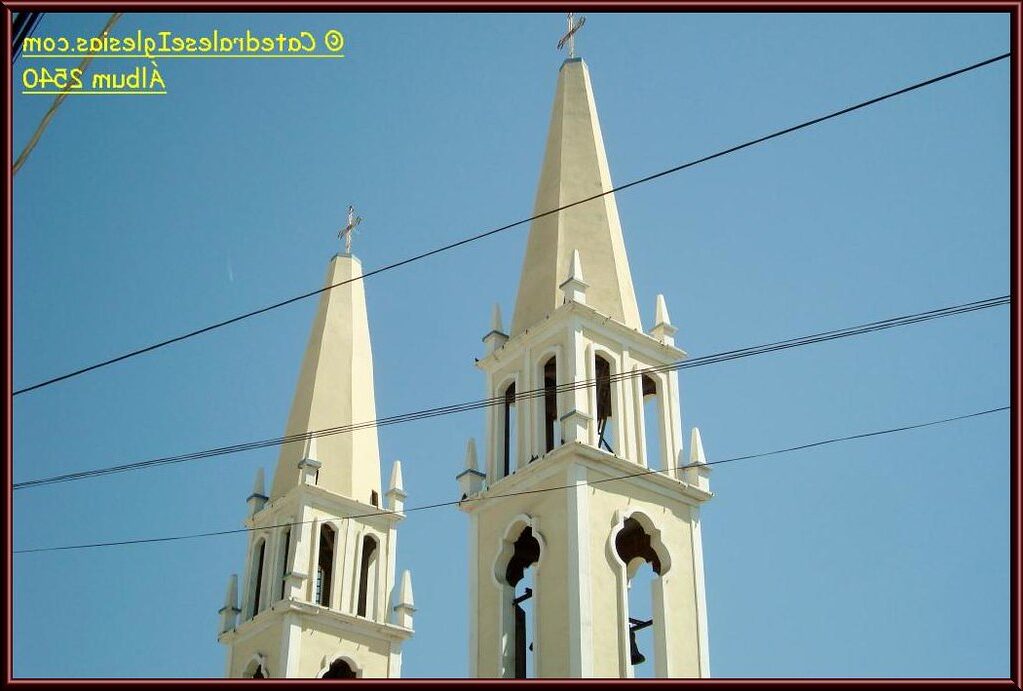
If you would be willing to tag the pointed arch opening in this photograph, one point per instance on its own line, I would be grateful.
(367, 577)
(285, 566)
(605, 409)
(510, 450)
(256, 668)
(551, 425)
(638, 546)
(325, 565)
(520, 612)
(339, 669)
(256, 577)
(653, 432)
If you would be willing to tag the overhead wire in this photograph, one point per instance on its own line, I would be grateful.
(714, 358)
(494, 497)
(388, 267)
(58, 99)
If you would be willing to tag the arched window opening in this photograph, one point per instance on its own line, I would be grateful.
(643, 567)
(550, 403)
(520, 577)
(285, 566)
(510, 436)
(255, 669)
(605, 412)
(325, 565)
(641, 620)
(257, 576)
(652, 423)
(367, 574)
(339, 669)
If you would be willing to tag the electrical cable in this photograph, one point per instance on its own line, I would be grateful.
(494, 231)
(715, 358)
(477, 499)
(58, 99)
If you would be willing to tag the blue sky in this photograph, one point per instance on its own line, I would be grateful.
(137, 218)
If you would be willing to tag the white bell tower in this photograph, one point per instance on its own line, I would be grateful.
(562, 510)
(318, 595)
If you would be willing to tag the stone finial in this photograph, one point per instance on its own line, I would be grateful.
(663, 331)
(496, 337)
(495, 319)
(574, 287)
(405, 603)
(696, 454)
(308, 471)
(396, 491)
(229, 612)
(470, 480)
(698, 472)
(310, 449)
(257, 500)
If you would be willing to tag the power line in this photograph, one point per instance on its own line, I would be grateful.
(715, 358)
(436, 505)
(23, 26)
(494, 231)
(58, 99)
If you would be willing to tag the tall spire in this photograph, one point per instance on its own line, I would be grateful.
(335, 388)
(575, 168)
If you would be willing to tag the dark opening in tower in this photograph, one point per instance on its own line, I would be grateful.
(642, 566)
(550, 403)
(339, 669)
(257, 576)
(510, 447)
(605, 411)
(325, 565)
(652, 432)
(367, 574)
(520, 577)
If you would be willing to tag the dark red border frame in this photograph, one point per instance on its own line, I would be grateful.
(1016, 421)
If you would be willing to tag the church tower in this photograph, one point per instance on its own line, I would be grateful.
(585, 554)
(318, 595)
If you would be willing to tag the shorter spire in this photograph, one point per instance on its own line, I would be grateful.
(496, 337)
(310, 449)
(396, 491)
(405, 603)
(495, 319)
(663, 331)
(698, 472)
(229, 612)
(574, 287)
(696, 454)
(470, 480)
(259, 485)
(257, 500)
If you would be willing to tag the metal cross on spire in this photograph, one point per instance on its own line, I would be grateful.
(346, 232)
(569, 37)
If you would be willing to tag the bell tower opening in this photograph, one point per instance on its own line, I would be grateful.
(605, 410)
(635, 548)
(520, 578)
(285, 568)
(325, 565)
(257, 577)
(367, 575)
(550, 404)
(339, 669)
(652, 433)
(510, 431)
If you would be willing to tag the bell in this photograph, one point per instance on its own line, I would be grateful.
(637, 657)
